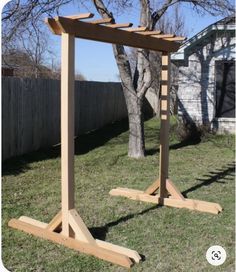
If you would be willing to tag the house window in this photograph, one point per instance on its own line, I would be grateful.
(225, 88)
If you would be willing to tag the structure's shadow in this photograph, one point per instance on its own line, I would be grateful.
(101, 232)
(213, 176)
(83, 144)
(92, 140)
(153, 151)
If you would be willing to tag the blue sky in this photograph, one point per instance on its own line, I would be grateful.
(95, 60)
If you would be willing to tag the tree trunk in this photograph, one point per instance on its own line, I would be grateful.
(134, 89)
(136, 128)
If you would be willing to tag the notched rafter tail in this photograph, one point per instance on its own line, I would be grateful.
(164, 36)
(150, 33)
(124, 25)
(137, 29)
(53, 26)
(80, 16)
(179, 39)
(101, 21)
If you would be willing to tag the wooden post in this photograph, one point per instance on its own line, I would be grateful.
(165, 119)
(67, 129)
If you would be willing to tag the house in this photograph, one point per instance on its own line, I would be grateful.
(7, 71)
(18, 63)
(206, 77)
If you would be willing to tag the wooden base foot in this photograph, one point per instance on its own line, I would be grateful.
(103, 250)
(172, 201)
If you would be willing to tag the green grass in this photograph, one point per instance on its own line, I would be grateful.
(171, 239)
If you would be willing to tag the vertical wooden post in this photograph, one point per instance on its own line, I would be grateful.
(165, 119)
(67, 129)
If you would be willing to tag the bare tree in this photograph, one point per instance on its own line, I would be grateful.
(169, 23)
(135, 85)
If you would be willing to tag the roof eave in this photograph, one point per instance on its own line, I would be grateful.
(179, 55)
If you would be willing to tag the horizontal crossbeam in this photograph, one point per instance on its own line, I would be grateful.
(103, 33)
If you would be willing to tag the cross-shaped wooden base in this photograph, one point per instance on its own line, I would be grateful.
(80, 238)
(174, 198)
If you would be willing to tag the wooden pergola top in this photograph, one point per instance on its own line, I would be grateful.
(105, 30)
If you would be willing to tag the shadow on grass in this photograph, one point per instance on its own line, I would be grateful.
(153, 151)
(101, 232)
(83, 144)
(213, 176)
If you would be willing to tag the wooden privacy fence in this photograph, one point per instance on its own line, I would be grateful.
(31, 111)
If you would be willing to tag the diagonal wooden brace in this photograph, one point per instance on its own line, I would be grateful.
(177, 202)
(83, 241)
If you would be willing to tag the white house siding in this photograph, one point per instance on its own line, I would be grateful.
(196, 82)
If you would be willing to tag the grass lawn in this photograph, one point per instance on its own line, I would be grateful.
(171, 239)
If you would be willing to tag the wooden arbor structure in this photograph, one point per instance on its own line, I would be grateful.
(67, 227)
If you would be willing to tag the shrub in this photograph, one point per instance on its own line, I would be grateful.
(193, 131)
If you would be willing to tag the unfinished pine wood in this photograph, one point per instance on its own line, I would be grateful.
(153, 187)
(124, 25)
(134, 195)
(164, 130)
(67, 128)
(151, 33)
(179, 39)
(164, 90)
(53, 26)
(72, 243)
(80, 16)
(164, 105)
(33, 222)
(56, 222)
(116, 36)
(173, 190)
(101, 21)
(190, 204)
(81, 231)
(122, 250)
(137, 29)
(164, 36)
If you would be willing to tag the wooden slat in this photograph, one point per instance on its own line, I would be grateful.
(87, 248)
(120, 25)
(150, 33)
(101, 21)
(116, 36)
(164, 36)
(137, 29)
(175, 39)
(80, 16)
